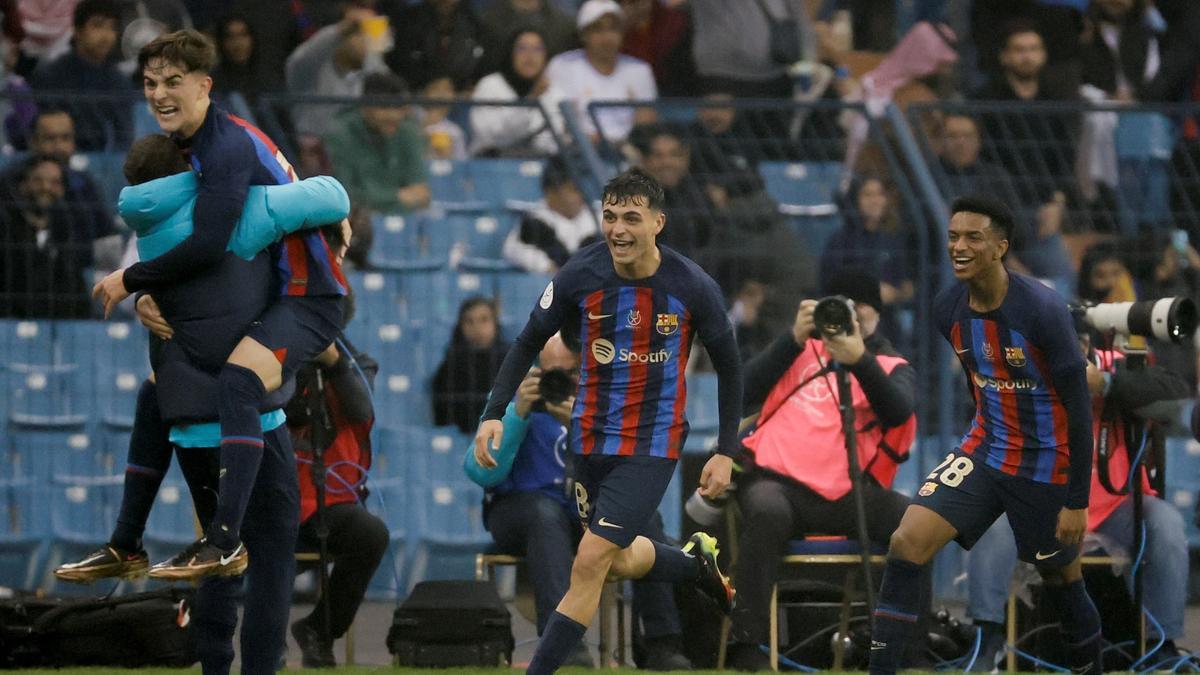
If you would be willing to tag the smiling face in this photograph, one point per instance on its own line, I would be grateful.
(975, 245)
(668, 160)
(529, 55)
(630, 227)
(178, 99)
(43, 185)
(54, 135)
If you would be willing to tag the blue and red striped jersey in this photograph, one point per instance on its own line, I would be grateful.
(1013, 356)
(635, 338)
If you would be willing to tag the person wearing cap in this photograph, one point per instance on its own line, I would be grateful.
(793, 489)
(600, 72)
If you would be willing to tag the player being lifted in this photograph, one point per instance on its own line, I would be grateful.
(1028, 452)
(634, 308)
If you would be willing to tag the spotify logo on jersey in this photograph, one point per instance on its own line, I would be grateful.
(603, 350)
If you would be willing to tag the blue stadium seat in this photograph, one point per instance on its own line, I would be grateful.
(24, 529)
(702, 402)
(449, 181)
(398, 240)
(814, 231)
(801, 183)
(377, 296)
(390, 500)
(27, 342)
(38, 454)
(1182, 474)
(487, 231)
(518, 293)
(56, 397)
(84, 510)
(435, 453)
(430, 296)
(498, 181)
(389, 453)
(172, 522)
(122, 363)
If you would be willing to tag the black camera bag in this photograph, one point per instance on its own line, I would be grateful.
(132, 631)
(444, 624)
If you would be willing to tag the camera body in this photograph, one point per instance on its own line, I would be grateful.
(554, 386)
(834, 315)
(1167, 319)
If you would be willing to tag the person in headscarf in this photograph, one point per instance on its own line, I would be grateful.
(517, 130)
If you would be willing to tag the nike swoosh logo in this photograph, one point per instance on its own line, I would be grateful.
(232, 556)
(603, 522)
(1043, 556)
(597, 317)
(962, 351)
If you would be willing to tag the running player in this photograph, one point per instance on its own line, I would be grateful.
(635, 308)
(1028, 452)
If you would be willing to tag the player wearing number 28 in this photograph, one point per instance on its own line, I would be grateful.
(1028, 451)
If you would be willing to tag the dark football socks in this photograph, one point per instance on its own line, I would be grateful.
(895, 618)
(1080, 624)
(672, 564)
(558, 642)
(241, 451)
(148, 460)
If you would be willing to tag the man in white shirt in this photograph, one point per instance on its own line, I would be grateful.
(554, 229)
(599, 72)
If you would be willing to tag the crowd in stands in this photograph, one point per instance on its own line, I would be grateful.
(1069, 172)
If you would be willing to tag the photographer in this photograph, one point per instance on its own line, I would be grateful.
(337, 417)
(799, 487)
(529, 507)
(1121, 395)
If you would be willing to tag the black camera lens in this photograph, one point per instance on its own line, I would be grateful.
(555, 385)
(833, 316)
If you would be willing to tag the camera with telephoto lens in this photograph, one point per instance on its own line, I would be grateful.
(1167, 319)
(834, 315)
(554, 386)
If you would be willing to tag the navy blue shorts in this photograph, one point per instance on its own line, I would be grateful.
(617, 496)
(298, 328)
(971, 496)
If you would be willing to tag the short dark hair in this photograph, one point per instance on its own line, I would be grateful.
(384, 84)
(1016, 27)
(556, 173)
(631, 184)
(34, 161)
(86, 9)
(153, 156)
(998, 214)
(188, 49)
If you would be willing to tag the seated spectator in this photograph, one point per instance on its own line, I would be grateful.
(516, 131)
(436, 36)
(1166, 265)
(335, 61)
(871, 238)
(669, 160)
(1121, 397)
(731, 45)
(42, 257)
(798, 482)
(1104, 275)
(662, 37)
(1035, 146)
(46, 29)
(1058, 23)
(357, 539)
(239, 69)
(464, 377)
(505, 18)
(54, 137)
(91, 66)
(17, 108)
(600, 72)
(1120, 54)
(1039, 252)
(444, 139)
(530, 509)
(378, 152)
(557, 227)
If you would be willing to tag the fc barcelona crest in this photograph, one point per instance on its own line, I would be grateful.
(927, 489)
(1015, 356)
(666, 324)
